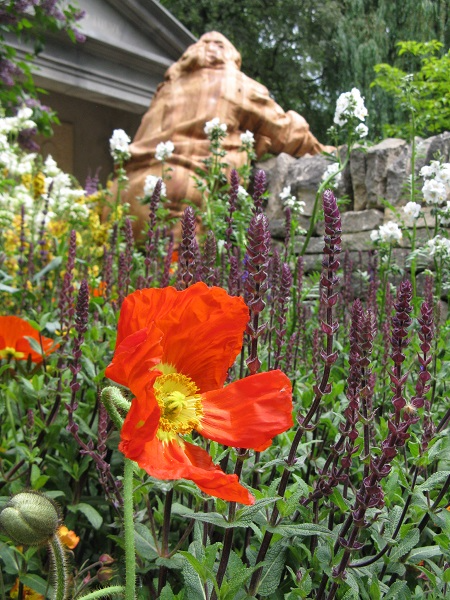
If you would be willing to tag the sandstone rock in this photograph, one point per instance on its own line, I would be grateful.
(276, 169)
(379, 159)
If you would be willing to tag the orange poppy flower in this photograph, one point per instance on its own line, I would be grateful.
(173, 351)
(13, 342)
(68, 537)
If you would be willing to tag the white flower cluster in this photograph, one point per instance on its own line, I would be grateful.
(389, 232)
(164, 150)
(412, 210)
(248, 139)
(150, 184)
(21, 121)
(331, 170)
(16, 162)
(215, 128)
(290, 201)
(436, 186)
(350, 105)
(119, 145)
(439, 246)
(59, 197)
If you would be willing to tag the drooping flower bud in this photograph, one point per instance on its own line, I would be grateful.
(30, 518)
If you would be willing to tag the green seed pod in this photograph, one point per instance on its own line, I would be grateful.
(30, 518)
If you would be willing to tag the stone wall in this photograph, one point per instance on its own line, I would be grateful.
(374, 174)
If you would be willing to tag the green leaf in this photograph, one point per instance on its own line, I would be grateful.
(35, 582)
(145, 545)
(405, 545)
(302, 529)
(91, 514)
(245, 516)
(419, 554)
(432, 481)
(272, 570)
(398, 591)
(53, 264)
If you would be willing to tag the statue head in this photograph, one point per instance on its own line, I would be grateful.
(213, 50)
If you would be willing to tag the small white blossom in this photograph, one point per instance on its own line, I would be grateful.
(389, 232)
(444, 214)
(439, 246)
(348, 105)
(430, 170)
(164, 150)
(119, 145)
(290, 201)
(362, 130)
(51, 168)
(434, 191)
(150, 183)
(215, 127)
(332, 169)
(247, 138)
(412, 209)
(242, 194)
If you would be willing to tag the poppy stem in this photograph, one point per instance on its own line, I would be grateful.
(128, 526)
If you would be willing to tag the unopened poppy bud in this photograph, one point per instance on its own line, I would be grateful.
(105, 574)
(30, 518)
(106, 559)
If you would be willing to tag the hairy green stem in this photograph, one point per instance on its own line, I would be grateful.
(103, 593)
(128, 525)
(60, 573)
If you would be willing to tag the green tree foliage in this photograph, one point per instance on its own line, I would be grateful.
(308, 52)
(422, 97)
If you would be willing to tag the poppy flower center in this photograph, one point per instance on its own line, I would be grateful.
(9, 352)
(181, 406)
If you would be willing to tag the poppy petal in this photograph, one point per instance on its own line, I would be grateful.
(13, 334)
(135, 356)
(248, 413)
(142, 421)
(203, 328)
(182, 460)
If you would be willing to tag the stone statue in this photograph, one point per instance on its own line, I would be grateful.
(205, 83)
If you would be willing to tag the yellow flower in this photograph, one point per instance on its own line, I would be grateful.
(28, 593)
(38, 185)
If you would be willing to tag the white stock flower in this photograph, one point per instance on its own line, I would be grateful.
(412, 209)
(439, 246)
(24, 113)
(119, 145)
(348, 105)
(434, 191)
(362, 130)
(247, 138)
(389, 232)
(164, 150)
(150, 183)
(214, 127)
(444, 215)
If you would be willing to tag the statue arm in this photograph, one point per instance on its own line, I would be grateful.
(276, 130)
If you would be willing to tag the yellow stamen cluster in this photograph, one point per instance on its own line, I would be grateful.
(9, 352)
(181, 406)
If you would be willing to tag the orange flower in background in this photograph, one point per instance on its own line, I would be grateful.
(173, 351)
(28, 593)
(68, 537)
(13, 340)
